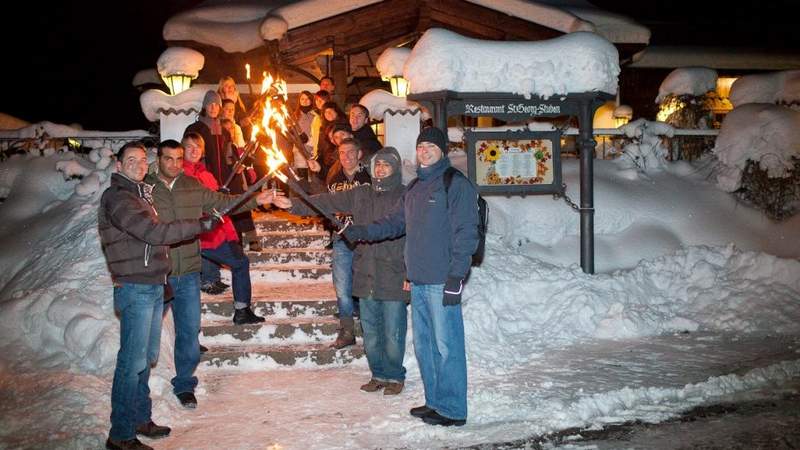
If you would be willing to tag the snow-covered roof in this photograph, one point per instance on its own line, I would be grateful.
(241, 26)
(575, 62)
(687, 80)
(670, 57)
(392, 61)
(180, 61)
(57, 130)
(761, 132)
(231, 26)
(778, 87)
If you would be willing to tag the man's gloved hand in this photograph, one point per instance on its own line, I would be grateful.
(208, 223)
(452, 291)
(355, 233)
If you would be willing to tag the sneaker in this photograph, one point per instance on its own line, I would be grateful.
(420, 411)
(128, 444)
(373, 385)
(153, 431)
(435, 418)
(246, 316)
(211, 289)
(393, 388)
(187, 399)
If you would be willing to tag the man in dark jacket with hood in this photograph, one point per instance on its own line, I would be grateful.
(378, 270)
(359, 122)
(441, 229)
(135, 243)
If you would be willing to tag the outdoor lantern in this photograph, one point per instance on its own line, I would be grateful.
(399, 85)
(177, 82)
(622, 115)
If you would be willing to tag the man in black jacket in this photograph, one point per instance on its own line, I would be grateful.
(359, 122)
(135, 246)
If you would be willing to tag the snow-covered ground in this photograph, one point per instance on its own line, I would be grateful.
(697, 297)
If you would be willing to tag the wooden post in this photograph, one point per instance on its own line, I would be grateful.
(339, 75)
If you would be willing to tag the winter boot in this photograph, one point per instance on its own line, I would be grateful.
(346, 335)
(393, 388)
(373, 385)
(245, 316)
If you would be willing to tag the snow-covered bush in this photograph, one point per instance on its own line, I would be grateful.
(782, 88)
(686, 98)
(645, 151)
(758, 148)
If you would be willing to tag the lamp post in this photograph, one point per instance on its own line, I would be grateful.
(177, 82)
(400, 86)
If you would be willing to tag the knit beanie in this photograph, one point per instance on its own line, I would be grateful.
(434, 136)
(212, 97)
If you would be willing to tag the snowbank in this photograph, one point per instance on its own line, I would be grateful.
(577, 62)
(777, 87)
(687, 81)
(764, 133)
(55, 130)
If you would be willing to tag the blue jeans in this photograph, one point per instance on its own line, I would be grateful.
(343, 277)
(139, 307)
(384, 323)
(439, 346)
(230, 253)
(209, 272)
(186, 317)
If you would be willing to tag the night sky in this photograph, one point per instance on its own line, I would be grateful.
(72, 62)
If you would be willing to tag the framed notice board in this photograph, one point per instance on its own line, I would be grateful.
(515, 162)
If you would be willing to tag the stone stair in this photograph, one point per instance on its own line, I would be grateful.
(292, 289)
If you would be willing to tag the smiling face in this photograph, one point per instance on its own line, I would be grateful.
(358, 118)
(382, 169)
(348, 157)
(305, 100)
(212, 110)
(133, 164)
(228, 89)
(193, 150)
(228, 110)
(330, 114)
(428, 153)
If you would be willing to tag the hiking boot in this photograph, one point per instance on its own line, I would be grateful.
(373, 385)
(420, 411)
(393, 388)
(128, 444)
(435, 418)
(212, 289)
(346, 335)
(187, 399)
(153, 431)
(246, 316)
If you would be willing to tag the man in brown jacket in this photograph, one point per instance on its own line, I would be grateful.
(135, 243)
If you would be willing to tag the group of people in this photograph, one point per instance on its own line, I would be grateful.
(164, 242)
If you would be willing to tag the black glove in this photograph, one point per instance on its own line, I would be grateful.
(304, 138)
(208, 223)
(452, 291)
(355, 233)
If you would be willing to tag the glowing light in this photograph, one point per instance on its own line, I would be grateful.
(668, 108)
(247, 70)
(177, 82)
(400, 86)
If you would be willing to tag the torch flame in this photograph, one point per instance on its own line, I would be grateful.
(273, 121)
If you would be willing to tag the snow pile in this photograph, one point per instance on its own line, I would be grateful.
(180, 61)
(392, 61)
(155, 101)
(695, 81)
(273, 28)
(378, 102)
(518, 305)
(614, 27)
(776, 87)
(233, 27)
(646, 150)
(764, 133)
(536, 12)
(54, 130)
(577, 62)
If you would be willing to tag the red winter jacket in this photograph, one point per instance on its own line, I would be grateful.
(224, 232)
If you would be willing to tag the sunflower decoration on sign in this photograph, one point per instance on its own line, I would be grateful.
(489, 152)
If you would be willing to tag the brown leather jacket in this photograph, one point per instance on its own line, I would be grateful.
(134, 240)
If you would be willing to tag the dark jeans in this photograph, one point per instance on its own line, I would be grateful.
(384, 323)
(185, 308)
(140, 307)
(230, 253)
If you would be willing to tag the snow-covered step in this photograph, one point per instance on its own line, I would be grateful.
(320, 354)
(317, 256)
(274, 331)
(293, 239)
(277, 300)
(271, 223)
(281, 273)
